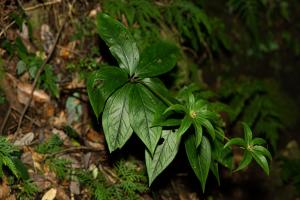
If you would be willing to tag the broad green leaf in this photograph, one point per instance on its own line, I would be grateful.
(247, 158)
(262, 150)
(163, 155)
(258, 141)
(120, 42)
(235, 141)
(214, 167)
(102, 83)
(248, 133)
(209, 127)
(158, 87)
(185, 124)
(115, 119)
(143, 105)
(261, 160)
(157, 59)
(199, 131)
(199, 158)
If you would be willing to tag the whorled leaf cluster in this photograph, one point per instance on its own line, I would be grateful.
(133, 100)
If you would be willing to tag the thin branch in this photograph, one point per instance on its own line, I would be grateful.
(27, 117)
(71, 149)
(5, 120)
(37, 76)
(49, 3)
(6, 28)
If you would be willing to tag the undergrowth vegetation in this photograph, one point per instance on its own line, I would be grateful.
(215, 80)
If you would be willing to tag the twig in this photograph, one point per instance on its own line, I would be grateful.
(20, 5)
(73, 149)
(5, 120)
(6, 28)
(49, 3)
(27, 117)
(37, 76)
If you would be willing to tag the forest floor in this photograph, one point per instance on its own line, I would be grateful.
(59, 136)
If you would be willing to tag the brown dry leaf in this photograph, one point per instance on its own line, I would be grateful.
(41, 181)
(50, 194)
(48, 110)
(25, 140)
(61, 194)
(75, 187)
(24, 91)
(37, 159)
(86, 159)
(11, 197)
(67, 52)
(2, 52)
(76, 82)
(61, 134)
(94, 12)
(26, 158)
(94, 145)
(4, 189)
(60, 121)
(94, 136)
(9, 86)
(47, 37)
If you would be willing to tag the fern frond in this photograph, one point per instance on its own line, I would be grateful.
(101, 192)
(28, 190)
(7, 161)
(249, 12)
(61, 167)
(50, 146)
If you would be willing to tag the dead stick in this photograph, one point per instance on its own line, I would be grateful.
(42, 5)
(37, 76)
(6, 28)
(71, 149)
(27, 117)
(5, 120)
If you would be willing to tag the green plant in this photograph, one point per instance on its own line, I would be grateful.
(50, 146)
(30, 63)
(132, 99)
(261, 104)
(130, 181)
(9, 159)
(249, 11)
(60, 166)
(18, 175)
(27, 190)
(253, 149)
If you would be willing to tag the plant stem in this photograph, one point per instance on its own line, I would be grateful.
(226, 138)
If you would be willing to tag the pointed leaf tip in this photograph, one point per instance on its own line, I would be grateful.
(120, 42)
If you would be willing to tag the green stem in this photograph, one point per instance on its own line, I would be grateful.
(226, 138)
